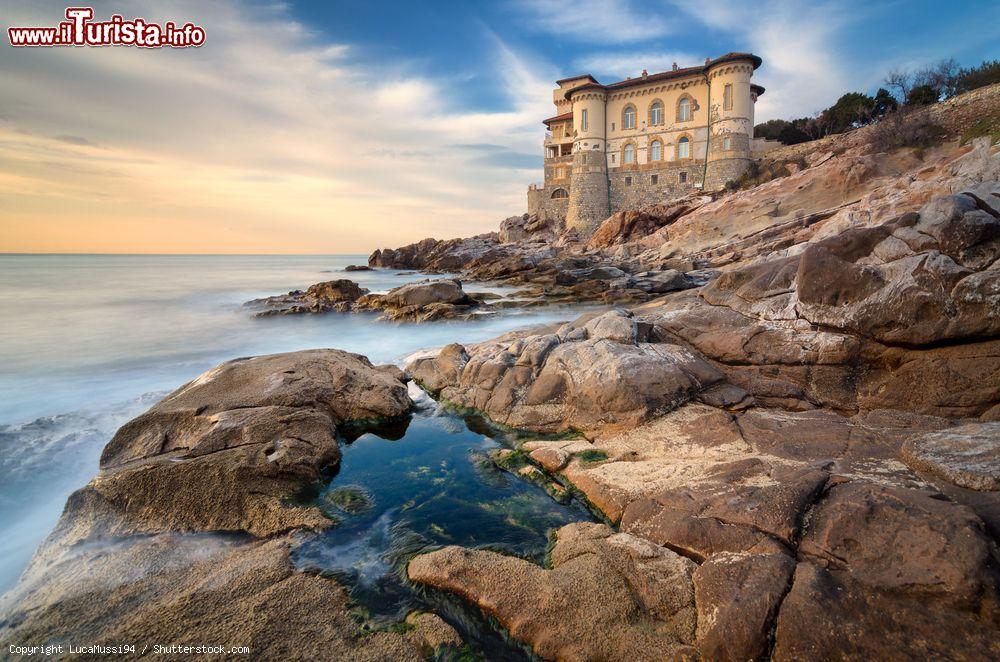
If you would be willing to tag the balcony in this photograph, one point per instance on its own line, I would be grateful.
(567, 157)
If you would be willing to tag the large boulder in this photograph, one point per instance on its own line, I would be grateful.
(422, 302)
(585, 377)
(225, 451)
(423, 294)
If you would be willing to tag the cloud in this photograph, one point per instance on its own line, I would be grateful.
(603, 21)
(266, 139)
(804, 69)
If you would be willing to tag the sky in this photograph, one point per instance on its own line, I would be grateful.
(339, 127)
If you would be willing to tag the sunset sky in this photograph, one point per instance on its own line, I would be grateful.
(328, 127)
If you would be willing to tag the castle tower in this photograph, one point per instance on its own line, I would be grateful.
(589, 201)
(731, 119)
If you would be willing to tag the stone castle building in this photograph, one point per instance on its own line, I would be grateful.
(646, 139)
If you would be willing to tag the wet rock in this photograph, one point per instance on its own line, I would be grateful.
(422, 302)
(357, 267)
(967, 456)
(431, 632)
(608, 595)
(332, 295)
(349, 499)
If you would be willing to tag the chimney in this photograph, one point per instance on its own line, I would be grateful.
(674, 67)
(707, 60)
(645, 73)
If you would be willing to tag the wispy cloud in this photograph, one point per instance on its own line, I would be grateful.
(265, 139)
(602, 21)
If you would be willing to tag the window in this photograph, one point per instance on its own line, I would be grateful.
(656, 113)
(682, 177)
(727, 97)
(583, 120)
(612, 158)
(628, 117)
(727, 143)
(559, 193)
(612, 126)
(628, 181)
(629, 154)
(684, 110)
(655, 150)
(654, 179)
(684, 148)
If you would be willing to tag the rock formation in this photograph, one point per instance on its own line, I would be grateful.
(184, 536)
(814, 428)
(416, 302)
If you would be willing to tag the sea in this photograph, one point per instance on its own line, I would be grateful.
(89, 341)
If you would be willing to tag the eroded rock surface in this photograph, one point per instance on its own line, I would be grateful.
(585, 377)
(608, 596)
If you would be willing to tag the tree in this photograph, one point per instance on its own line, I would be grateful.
(770, 129)
(900, 81)
(885, 103)
(923, 95)
(940, 77)
(985, 74)
(851, 110)
(793, 135)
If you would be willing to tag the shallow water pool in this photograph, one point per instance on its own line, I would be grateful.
(418, 486)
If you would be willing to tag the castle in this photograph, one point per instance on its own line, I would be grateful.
(646, 139)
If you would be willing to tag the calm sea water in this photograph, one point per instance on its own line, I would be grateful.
(89, 341)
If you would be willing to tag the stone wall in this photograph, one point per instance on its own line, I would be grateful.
(723, 171)
(544, 206)
(632, 188)
(588, 194)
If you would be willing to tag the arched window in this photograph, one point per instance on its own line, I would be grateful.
(628, 117)
(683, 148)
(655, 150)
(684, 110)
(559, 193)
(629, 154)
(656, 113)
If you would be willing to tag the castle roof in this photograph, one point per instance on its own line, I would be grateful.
(559, 118)
(663, 75)
(566, 80)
